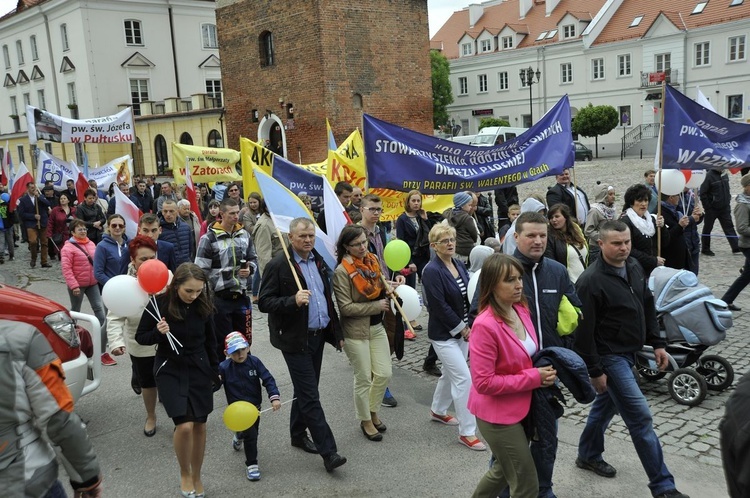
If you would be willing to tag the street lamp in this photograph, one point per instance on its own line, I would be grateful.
(453, 127)
(527, 78)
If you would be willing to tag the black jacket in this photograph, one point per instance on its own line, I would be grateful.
(735, 440)
(143, 201)
(90, 215)
(618, 315)
(675, 252)
(445, 301)
(484, 217)
(643, 247)
(715, 191)
(558, 194)
(27, 211)
(287, 322)
(504, 198)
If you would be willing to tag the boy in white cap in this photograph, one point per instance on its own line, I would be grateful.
(242, 375)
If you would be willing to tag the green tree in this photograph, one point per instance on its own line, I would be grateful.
(592, 121)
(486, 122)
(442, 93)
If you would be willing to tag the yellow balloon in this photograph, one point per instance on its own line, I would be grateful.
(240, 416)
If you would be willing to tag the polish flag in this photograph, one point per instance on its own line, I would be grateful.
(191, 194)
(125, 208)
(19, 185)
(6, 168)
(336, 217)
(82, 185)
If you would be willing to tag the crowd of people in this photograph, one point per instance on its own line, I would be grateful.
(538, 257)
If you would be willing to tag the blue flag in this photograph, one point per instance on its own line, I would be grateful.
(402, 159)
(298, 180)
(697, 138)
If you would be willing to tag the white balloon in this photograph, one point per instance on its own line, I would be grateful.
(672, 181)
(696, 178)
(410, 302)
(123, 296)
(472, 288)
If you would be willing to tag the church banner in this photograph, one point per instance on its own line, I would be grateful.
(53, 169)
(49, 127)
(118, 171)
(401, 159)
(697, 138)
(207, 164)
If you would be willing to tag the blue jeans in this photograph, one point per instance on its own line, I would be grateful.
(624, 397)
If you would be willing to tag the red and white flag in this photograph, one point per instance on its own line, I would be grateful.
(336, 216)
(125, 208)
(6, 164)
(191, 194)
(82, 183)
(19, 185)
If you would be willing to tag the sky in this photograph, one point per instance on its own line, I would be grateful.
(438, 10)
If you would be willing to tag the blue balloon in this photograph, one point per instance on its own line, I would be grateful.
(5, 197)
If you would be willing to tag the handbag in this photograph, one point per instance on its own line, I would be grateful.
(76, 244)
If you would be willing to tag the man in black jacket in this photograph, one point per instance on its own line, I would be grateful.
(141, 197)
(301, 321)
(735, 440)
(618, 315)
(504, 198)
(33, 213)
(564, 192)
(716, 198)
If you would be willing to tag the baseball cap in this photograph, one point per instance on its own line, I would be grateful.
(235, 341)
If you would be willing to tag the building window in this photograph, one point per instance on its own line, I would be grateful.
(6, 56)
(482, 80)
(507, 42)
(214, 139)
(34, 49)
(72, 98)
(160, 151)
(735, 3)
(566, 73)
(133, 32)
(41, 99)
(699, 8)
(663, 62)
(737, 48)
(734, 106)
(48, 147)
(463, 85)
(208, 31)
(26, 100)
(569, 31)
(64, 37)
(486, 45)
(502, 80)
(21, 155)
(636, 21)
(19, 49)
(623, 65)
(702, 54)
(597, 69)
(138, 94)
(265, 42)
(186, 139)
(213, 89)
(466, 49)
(13, 106)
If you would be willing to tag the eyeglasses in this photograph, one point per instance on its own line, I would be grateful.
(233, 190)
(358, 244)
(81, 229)
(374, 210)
(116, 225)
(446, 241)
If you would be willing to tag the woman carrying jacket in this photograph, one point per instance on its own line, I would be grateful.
(360, 294)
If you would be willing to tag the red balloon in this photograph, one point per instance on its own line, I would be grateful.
(688, 173)
(153, 276)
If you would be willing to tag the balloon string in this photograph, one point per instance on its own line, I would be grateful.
(285, 402)
(156, 306)
(149, 312)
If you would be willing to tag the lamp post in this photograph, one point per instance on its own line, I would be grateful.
(453, 127)
(527, 78)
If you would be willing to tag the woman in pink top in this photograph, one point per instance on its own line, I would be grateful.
(502, 377)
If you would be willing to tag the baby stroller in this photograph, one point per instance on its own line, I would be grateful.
(691, 319)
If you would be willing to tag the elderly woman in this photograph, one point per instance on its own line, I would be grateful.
(503, 376)
(603, 209)
(360, 294)
(190, 219)
(461, 218)
(445, 282)
(643, 227)
(121, 335)
(565, 243)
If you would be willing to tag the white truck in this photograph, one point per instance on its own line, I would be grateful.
(496, 135)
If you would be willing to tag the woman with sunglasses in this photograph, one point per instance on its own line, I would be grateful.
(360, 294)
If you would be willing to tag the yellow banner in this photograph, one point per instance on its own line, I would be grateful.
(253, 154)
(347, 163)
(393, 202)
(206, 164)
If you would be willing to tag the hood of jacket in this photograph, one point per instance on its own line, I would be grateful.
(532, 205)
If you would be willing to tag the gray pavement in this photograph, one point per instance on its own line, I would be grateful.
(417, 457)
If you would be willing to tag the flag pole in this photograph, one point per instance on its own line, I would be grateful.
(661, 159)
(575, 192)
(286, 253)
(394, 296)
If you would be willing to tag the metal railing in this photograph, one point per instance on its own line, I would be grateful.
(640, 132)
(654, 78)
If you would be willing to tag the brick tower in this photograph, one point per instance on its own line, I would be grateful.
(287, 65)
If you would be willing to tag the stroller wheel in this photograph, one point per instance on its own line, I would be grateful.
(651, 375)
(717, 371)
(687, 387)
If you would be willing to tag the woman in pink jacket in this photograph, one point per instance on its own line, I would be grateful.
(77, 258)
(502, 377)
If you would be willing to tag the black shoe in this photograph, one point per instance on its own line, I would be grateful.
(372, 437)
(432, 369)
(306, 444)
(46, 265)
(599, 467)
(672, 493)
(135, 386)
(32, 264)
(708, 252)
(732, 307)
(736, 251)
(149, 433)
(333, 460)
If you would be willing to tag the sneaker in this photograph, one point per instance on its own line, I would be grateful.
(599, 467)
(237, 444)
(443, 419)
(107, 360)
(389, 400)
(672, 493)
(476, 444)
(253, 474)
(409, 335)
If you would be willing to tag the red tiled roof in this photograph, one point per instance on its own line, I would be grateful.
(495, 17)
(679, 12)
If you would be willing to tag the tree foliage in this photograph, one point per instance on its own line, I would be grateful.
(592, 121)
(486, 122)
(442, 93)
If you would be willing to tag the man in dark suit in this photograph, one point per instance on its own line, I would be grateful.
(153, 188)
(564, 192)
(301, 321)
(33, 212)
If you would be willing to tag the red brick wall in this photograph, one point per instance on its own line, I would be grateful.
(325, 51)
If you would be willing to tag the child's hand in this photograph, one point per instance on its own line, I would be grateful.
(275, 404)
